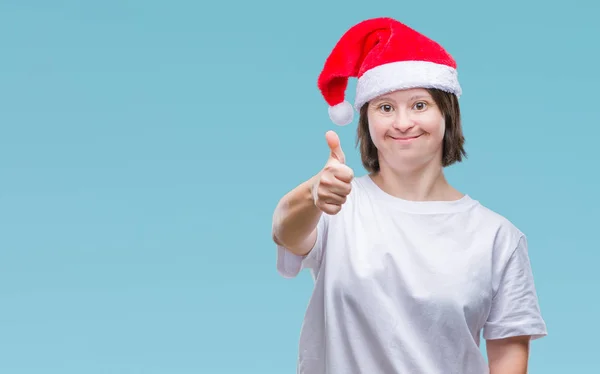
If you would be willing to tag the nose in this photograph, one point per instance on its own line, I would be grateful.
(403, 122)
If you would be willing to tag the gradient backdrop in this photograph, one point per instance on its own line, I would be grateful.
(144, 145)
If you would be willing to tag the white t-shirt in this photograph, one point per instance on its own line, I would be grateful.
(407, 287)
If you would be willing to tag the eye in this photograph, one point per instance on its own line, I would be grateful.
(385, 108)
(421, 105)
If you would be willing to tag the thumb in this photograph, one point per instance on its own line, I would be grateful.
(333, 141)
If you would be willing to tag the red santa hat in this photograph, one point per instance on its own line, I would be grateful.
(385, 55)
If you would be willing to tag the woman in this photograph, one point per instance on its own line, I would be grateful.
(408, 270)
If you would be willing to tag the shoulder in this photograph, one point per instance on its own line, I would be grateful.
(506, 238)
(502, 225)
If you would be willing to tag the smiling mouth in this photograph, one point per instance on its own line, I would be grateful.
(406, 138)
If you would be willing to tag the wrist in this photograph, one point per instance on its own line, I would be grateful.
(310, 189)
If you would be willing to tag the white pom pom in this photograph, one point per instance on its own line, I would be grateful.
(342, 113)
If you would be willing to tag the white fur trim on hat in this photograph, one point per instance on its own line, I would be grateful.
(402, 75)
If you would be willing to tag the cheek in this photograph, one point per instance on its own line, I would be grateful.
(377, 130)
(378, 133)
(374, 130)
(436, 127)
(441, 129)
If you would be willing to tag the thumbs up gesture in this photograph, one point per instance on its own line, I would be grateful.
(333, 183)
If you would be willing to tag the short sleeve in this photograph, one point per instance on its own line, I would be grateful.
(289, 264)
(515, 308)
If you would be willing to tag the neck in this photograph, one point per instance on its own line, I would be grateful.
(424, 183)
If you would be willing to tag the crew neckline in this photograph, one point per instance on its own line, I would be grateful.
(418, 207)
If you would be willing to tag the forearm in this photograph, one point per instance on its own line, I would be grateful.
(518, 366)
(295, 219)
(508, 356)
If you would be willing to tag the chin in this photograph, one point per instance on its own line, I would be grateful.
(409, 160)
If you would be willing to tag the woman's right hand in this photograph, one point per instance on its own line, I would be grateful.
(333, 183)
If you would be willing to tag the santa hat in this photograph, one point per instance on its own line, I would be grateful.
(385, 55)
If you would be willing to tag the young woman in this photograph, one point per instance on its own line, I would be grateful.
(408, 270)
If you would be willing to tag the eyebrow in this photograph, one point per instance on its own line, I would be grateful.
(414, 97)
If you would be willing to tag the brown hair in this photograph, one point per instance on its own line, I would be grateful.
(453, 143)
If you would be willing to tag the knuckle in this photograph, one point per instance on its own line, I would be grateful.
(325, 180)
(330, 168)
(322, 193)
(350, 173)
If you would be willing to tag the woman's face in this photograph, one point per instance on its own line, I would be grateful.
(407, 127)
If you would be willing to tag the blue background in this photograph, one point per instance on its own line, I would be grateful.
(144, 145)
